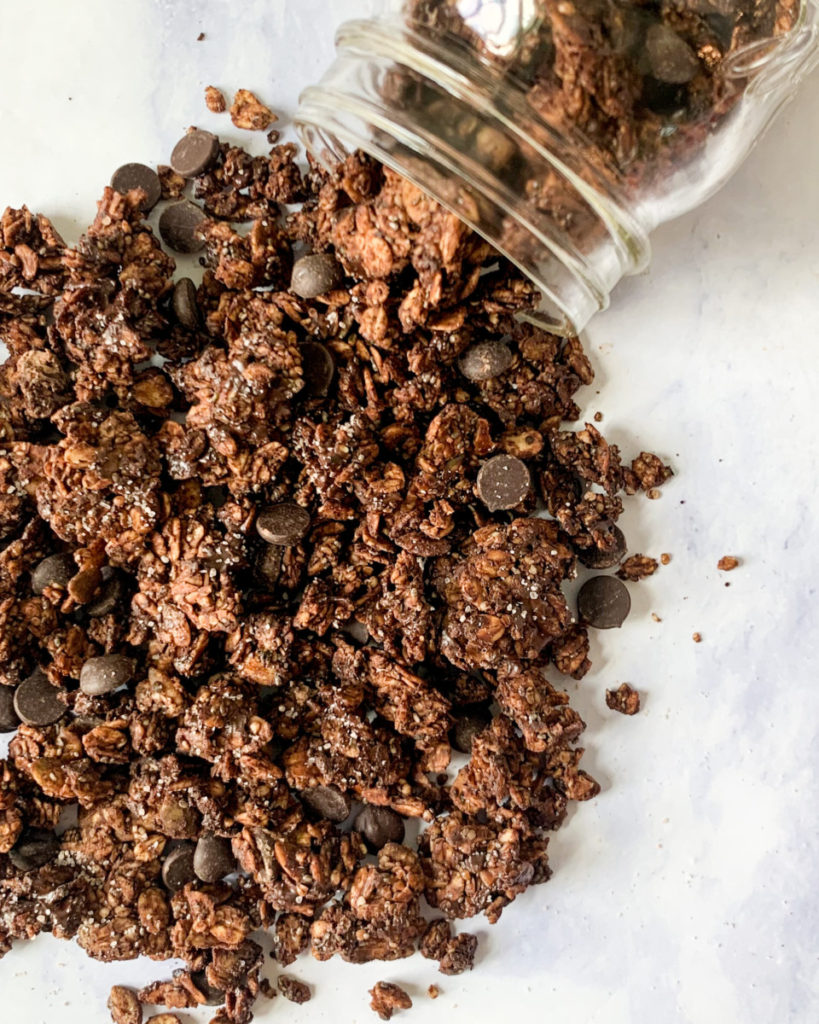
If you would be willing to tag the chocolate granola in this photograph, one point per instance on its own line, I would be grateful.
(228, 684)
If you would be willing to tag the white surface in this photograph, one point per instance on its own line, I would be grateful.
(687, 891)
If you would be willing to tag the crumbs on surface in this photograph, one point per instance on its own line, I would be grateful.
(624, 699)
(215, 100)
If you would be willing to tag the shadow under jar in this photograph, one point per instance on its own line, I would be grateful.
(563, 131)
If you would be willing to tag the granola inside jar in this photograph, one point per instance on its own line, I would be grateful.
(564, 131)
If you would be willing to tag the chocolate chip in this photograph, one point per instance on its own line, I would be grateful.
(316, 274)
(106, 673)
(603, 602)
(379, 826)
(213, 858)
(485, 360)
(671, 58)
(663, 97)
(177, 868)
(33, 849)
(597, 558)
(284, 524)
(54, 571)
(213, 996)
(185, 308)
(467, 727)
(194, 153)
(37, 702)
(138, 176)
(503, 482)
(329, 802)
(318, 368)
(179, 226)
(9, 719)
(111, 596)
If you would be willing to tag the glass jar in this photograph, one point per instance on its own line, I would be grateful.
(564, 131)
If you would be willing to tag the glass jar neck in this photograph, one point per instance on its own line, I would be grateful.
(463, 132)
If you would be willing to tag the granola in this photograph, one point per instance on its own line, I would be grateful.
(247, 597)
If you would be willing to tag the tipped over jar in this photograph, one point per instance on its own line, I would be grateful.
(563, 131)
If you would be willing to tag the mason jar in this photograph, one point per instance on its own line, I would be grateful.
(563, 131)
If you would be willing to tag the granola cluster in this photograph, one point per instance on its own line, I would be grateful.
(248, 583)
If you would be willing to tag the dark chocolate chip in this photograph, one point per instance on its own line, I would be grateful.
(467, 727)
(284, 524)
(194, 153)
(603, 602)
(318, 368)
(379, 826)
(179, 226)
(184, 304)
(329, 802)
(111, 596)
(177, 868)
(54, 571)
(597, 558)
(663, 98)
(671, 58)
(35, 848)
(37, 702)
(9, 719)
(485, 360)
(106, 673)
(213, 996)
(316, 274)
(138, 176)
(213, 858)
(503, 482)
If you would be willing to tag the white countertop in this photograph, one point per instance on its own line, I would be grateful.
(687, 892)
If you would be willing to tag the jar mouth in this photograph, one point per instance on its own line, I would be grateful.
(465, 136)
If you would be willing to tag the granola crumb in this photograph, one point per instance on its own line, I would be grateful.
(200, 37)
(665, 558)
(637, 567)
(727, 563)
(598, 417)
(624, 699)
(215, 100)
(433, 991)
(459, 955)
(293, 989)
(124, 1005)
(653, 493)
(387, 998)
(171, 183)
(249, 113)
(697, 638)
(656, 617)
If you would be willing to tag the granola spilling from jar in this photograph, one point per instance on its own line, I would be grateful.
(269, 552)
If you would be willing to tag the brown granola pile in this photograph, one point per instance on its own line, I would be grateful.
(250, 585)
